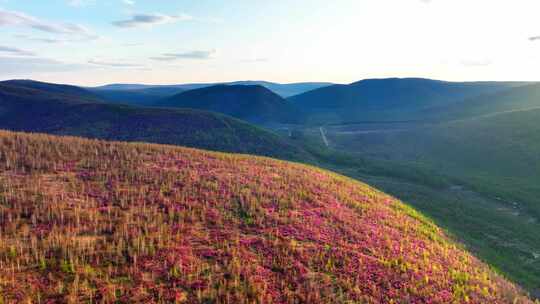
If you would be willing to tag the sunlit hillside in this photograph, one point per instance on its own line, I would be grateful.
(86, 221)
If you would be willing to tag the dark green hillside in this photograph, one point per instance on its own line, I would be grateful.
(519, 98)
(10, 93)
(44, 90)
(505, 145)
(253, 103)
(33, 110)
(386, 99)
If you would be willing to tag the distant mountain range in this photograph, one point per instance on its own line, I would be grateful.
(367, 100)
(284, 90)
(253, 103)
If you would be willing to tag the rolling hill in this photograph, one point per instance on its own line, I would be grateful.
(253, 103)
(53, 90)
(93, 221)
(513, 99)
(34, 110)
(387, 99)
(138, 97)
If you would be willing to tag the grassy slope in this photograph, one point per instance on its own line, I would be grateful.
(32, 110)
(495, 155)
(113, 222)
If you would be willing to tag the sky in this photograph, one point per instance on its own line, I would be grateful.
(94, 42)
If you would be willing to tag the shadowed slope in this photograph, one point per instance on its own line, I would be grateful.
(387, 99)
(52, 89)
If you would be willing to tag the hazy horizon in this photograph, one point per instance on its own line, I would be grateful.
(97, 85)
(96, 42)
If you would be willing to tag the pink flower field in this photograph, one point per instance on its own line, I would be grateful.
(84, 221)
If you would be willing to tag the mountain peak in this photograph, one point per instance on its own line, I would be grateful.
(254, 102)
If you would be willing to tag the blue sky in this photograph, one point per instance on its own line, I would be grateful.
(92, 42)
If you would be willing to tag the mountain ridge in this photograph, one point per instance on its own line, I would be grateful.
(389, 98)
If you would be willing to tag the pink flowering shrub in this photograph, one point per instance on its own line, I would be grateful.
(85, 221)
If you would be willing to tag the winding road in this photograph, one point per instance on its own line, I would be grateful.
(323, 135)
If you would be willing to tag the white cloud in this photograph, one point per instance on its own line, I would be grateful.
(12, 66)
(148, 20)
(132, 44)
(53, 40)
(476, 62)
(198, 54)
(13, 18)
(256, 60)
(15, 51)
(81, 2)
(114, 64)
(45, 40)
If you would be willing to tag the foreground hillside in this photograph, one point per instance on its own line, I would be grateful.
(49, 108)
(92, 221)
